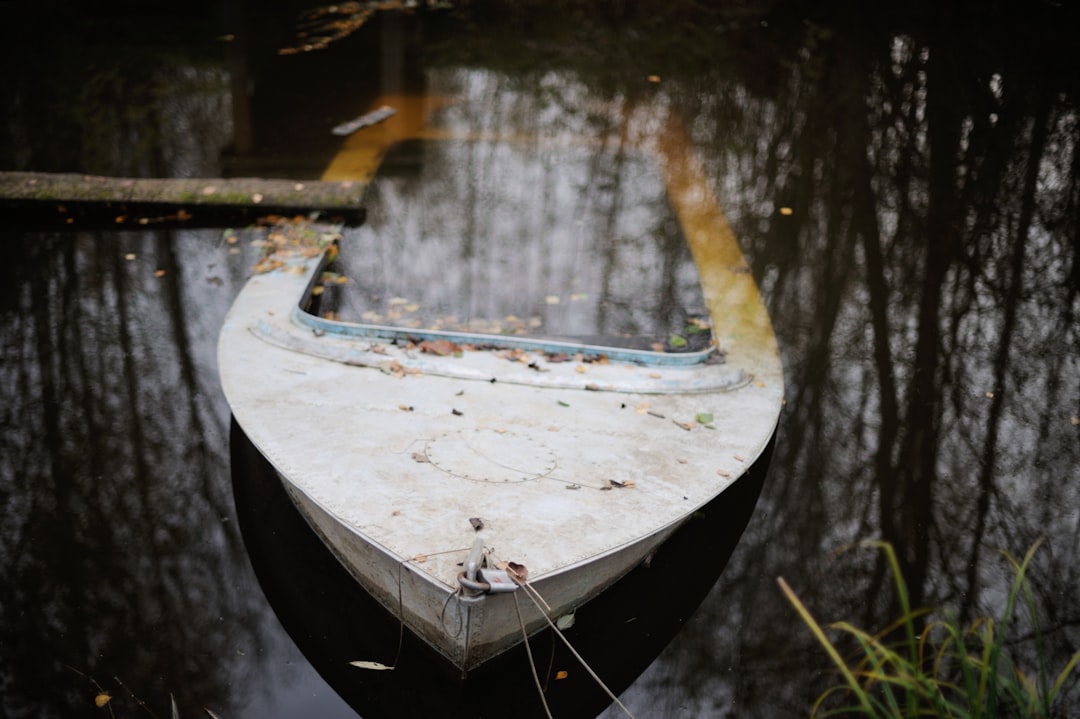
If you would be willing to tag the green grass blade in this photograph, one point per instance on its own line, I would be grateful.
(819, 633)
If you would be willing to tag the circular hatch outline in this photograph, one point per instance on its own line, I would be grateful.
(449, 449)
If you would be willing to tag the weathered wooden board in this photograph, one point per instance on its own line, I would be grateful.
(62, 197)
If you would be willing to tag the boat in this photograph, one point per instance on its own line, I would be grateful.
(485, 482)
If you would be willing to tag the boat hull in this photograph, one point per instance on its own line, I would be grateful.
(468, 634)
(401, 459)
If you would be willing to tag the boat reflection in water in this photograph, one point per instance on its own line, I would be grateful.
(334, 621)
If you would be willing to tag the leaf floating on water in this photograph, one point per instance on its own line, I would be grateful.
(561, 674)
(677, 341)
(786, 211)
(370, 665)
(102, 699)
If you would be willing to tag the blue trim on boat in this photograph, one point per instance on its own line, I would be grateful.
(618, 354)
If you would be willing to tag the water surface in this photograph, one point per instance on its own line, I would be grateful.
(904, 187)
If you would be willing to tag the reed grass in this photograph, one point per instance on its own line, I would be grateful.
(942, 669)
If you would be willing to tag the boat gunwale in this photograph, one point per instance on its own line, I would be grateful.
(341, 328)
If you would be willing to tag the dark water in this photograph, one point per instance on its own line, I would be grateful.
(923, 288)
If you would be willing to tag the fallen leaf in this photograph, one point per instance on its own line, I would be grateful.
(159, 273)
(677, 341)
(566, 621)
(102, 699)
(786, 211)
(685, 425)
(704, 418)
(370, 665)
(561, 674)
(420, 457)
(723, 473)
(420, 558)
(442, 348)
(517, 572)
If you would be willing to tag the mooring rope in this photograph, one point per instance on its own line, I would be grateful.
(530, 591)
(532, 664)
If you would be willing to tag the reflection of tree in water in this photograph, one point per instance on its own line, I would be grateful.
(116, 553)
(570, 230)
(925, 290)
(923, 287)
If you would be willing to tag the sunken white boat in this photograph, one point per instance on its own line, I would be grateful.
(516, 414)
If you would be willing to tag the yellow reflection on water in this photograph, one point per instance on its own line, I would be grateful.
(740, 322)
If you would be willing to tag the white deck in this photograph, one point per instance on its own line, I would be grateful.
(391, 453)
